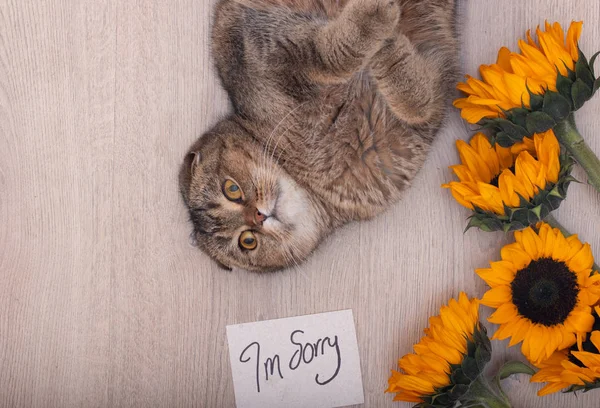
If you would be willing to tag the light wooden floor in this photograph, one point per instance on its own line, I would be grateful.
(104, 303)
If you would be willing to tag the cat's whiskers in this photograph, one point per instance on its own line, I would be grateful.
(288, 246)
(267, 147)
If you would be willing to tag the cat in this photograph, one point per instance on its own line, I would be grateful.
(335, 106)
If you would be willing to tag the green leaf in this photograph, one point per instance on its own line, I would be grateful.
(580, 93)
(592, 61)
(557, 106)
(514, 367)
(511, 368)
(475, 222)
(596, 85)
(539, 122)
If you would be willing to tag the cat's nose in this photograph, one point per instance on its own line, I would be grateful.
(254, 217)
(259, 217)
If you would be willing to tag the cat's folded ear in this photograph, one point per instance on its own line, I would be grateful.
(195, 158)
(191, 162)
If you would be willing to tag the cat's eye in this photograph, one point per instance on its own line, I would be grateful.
(248, 240)
(232, 191)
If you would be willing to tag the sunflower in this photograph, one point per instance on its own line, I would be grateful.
(510, 188)
(543, 290)
(447, 360)
(510, 81)
(534, 89)
(575, 369)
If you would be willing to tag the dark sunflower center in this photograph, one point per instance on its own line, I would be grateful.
(586, 346)
(494, 181)
(545, 291)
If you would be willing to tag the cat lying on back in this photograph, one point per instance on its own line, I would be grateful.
(336, 104)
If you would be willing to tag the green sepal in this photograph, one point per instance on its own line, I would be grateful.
(482, 357)
(539, 122)
(535, 101)
(581, 93)
(518, 116)
(469, 368)
(583, 71)
(588, 386)
(458, 377)
(570, 73)
(514, 131)
(503, 139)
(514, 367)
(556, 106)
(592, 62)
(563, 86)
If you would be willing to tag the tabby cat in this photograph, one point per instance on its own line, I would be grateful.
(335, 106)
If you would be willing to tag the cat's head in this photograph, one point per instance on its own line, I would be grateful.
(247, 212)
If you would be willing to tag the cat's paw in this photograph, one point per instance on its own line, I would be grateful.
(376, 18)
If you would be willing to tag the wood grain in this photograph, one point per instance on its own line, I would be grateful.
(103, 301)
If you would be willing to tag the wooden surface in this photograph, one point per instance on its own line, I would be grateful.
(104, 303)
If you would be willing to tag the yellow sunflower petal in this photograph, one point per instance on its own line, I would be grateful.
(505, 313)
(582, 260)
(504, 59)
(580, 320)
(548, 152)
(509, 188)
(515, 254)
(493, 198)
(530, 242)
(573, 35)
(475, 113)
(474, 162)
(500, 273)
(497, 296)
(520, 330)
(552, 388)
(587, 358)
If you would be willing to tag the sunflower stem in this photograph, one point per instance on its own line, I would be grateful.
(483, 393)
(568, 135)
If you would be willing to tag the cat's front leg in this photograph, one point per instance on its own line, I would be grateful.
(345, 44)
(409, 81)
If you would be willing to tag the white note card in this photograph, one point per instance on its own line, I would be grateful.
(299, 362)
